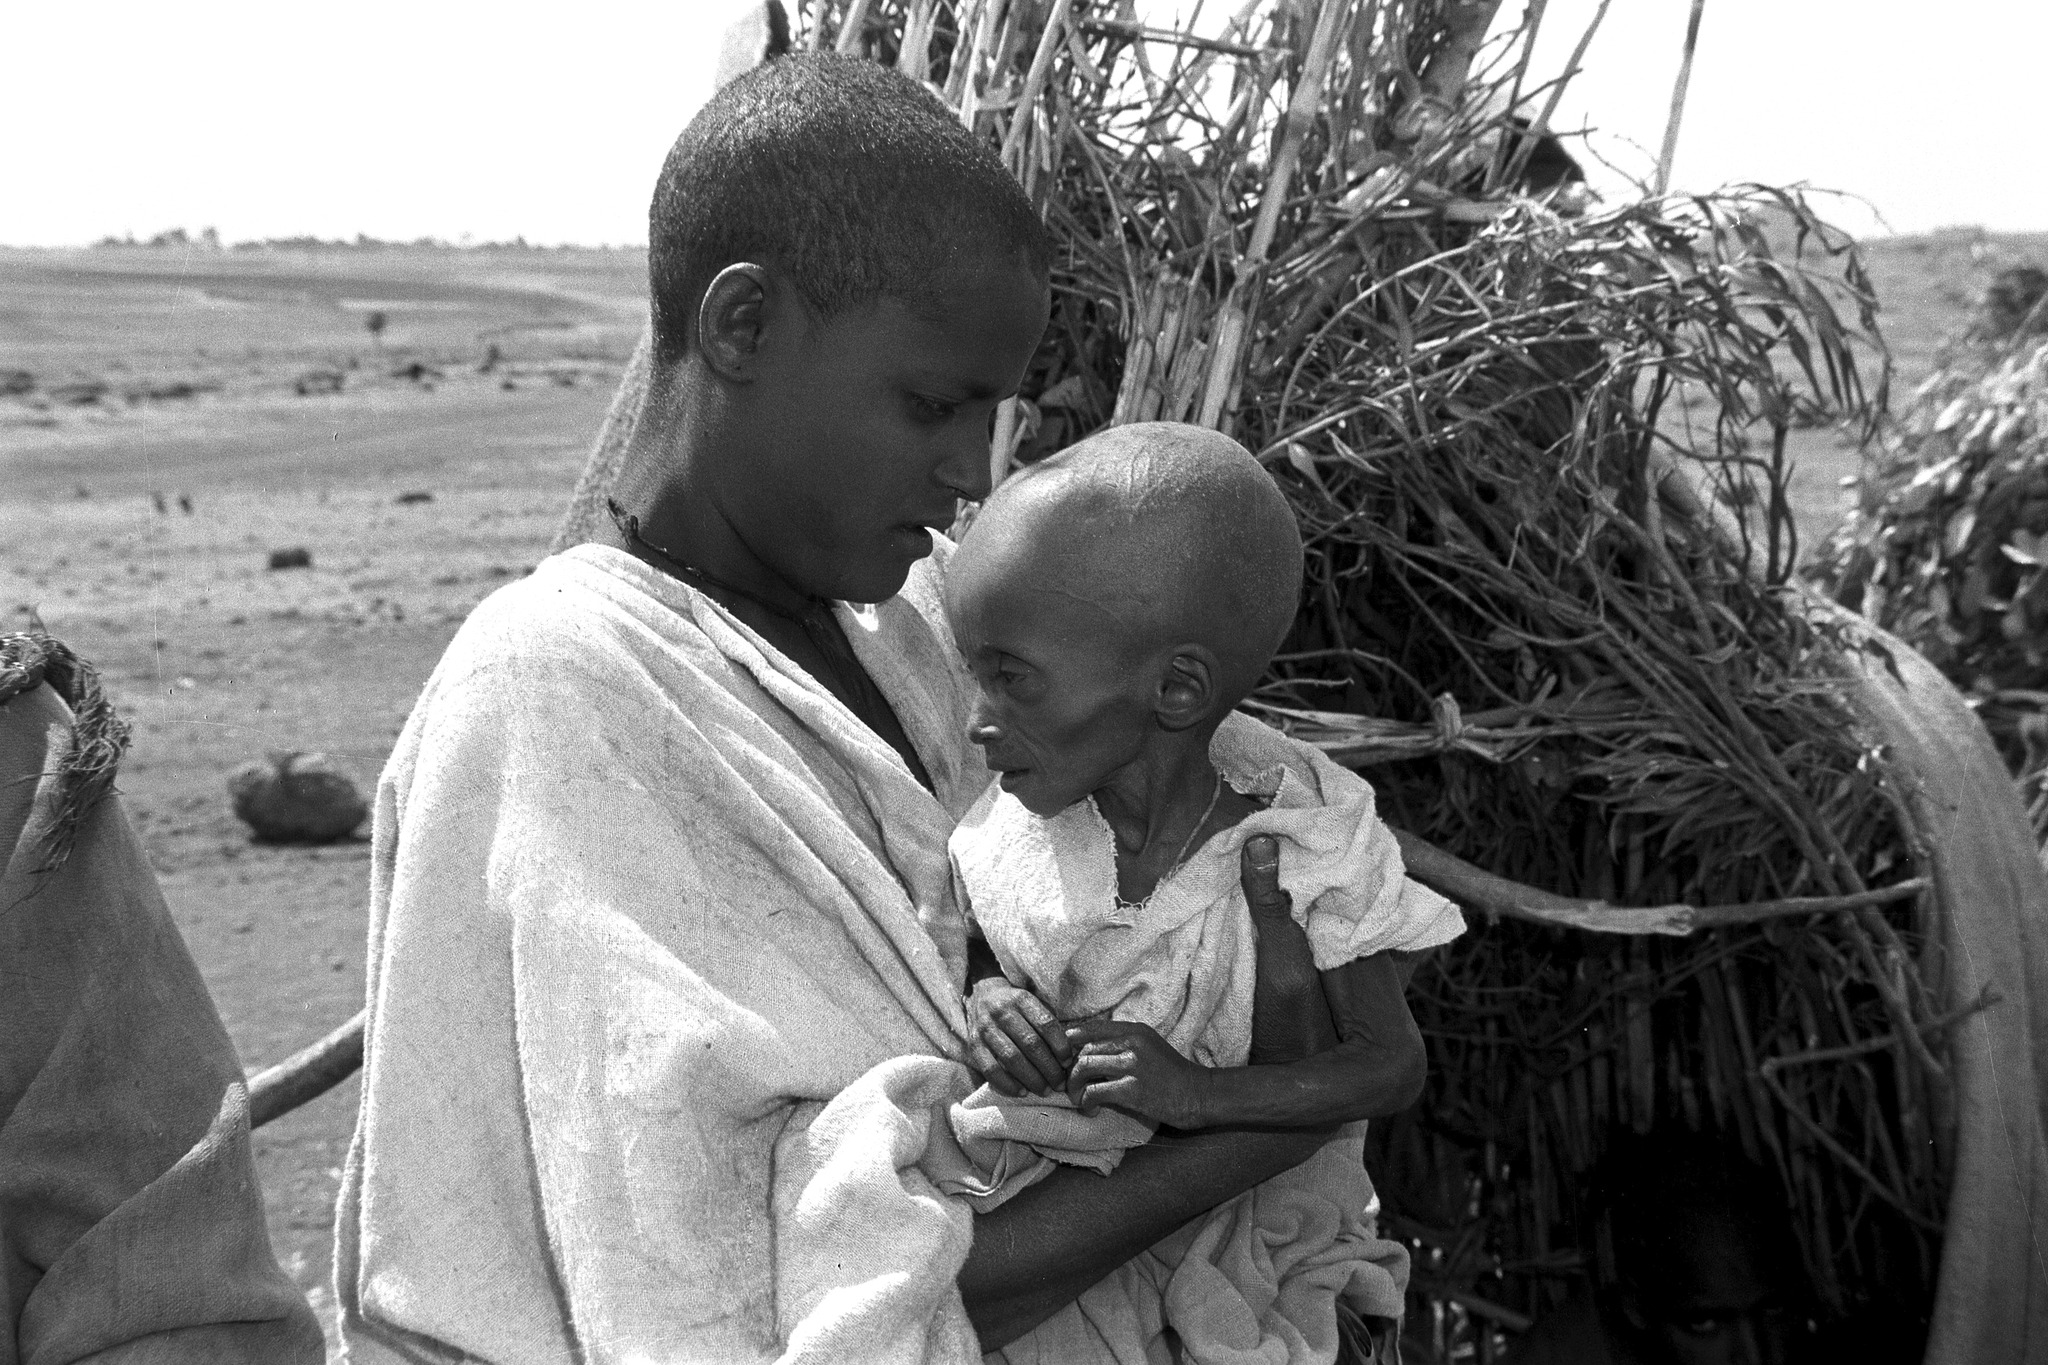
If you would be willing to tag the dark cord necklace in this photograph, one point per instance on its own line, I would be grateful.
(815, 618)
(629, 527)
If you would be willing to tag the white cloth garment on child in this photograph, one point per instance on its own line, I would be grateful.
(1259, 1278)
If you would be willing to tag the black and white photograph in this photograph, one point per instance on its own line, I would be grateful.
(1039, 682)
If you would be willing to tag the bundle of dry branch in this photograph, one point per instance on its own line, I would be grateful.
(1948, 545)
(1538, 458)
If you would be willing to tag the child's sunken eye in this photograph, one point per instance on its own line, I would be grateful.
(931, 409)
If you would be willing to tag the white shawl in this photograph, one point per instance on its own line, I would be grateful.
(664, 970)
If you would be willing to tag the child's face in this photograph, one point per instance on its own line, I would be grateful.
(865, 427)
(1065, 699)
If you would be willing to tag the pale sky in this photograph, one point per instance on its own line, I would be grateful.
(408, 118)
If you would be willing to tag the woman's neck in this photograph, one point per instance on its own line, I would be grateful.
(671, 511)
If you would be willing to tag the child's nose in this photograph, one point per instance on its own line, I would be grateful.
(981, 727)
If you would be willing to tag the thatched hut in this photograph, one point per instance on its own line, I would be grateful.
(1743, 865)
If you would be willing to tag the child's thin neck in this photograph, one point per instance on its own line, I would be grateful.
(1162, 808)
(1152, 804)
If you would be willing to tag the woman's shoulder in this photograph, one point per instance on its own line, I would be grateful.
(586, 622)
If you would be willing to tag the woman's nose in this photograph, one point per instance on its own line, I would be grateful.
(966, 467)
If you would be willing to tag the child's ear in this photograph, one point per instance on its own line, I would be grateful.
(1187, 687)
(732, 320)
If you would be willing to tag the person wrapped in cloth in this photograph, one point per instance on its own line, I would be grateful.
(131, 1222)
(1115, 603)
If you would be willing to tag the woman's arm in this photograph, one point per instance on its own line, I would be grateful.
(1043, 1249)
(1046, 1247)
(1377, 1069)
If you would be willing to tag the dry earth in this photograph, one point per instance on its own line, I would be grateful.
(217, 659)
(175, 375)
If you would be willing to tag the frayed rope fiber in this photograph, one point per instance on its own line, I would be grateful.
(85, 769)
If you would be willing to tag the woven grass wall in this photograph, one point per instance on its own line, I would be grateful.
(1536, 446)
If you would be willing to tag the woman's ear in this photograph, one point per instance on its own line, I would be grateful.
(1188, 687)
(732, 320)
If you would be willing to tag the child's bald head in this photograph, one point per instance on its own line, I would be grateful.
(1172, 534)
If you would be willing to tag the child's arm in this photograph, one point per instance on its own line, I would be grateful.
(1376, 1068)
(1018, 1044)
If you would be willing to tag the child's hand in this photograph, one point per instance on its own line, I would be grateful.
(1018, 1044)
(1132, 1067)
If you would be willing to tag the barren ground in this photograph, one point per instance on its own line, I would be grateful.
(217, 659)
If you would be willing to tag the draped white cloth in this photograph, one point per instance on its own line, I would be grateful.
(664, 1000)
(664, 980)
(1258, 1279)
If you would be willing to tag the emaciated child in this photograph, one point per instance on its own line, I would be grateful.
(1115, 603)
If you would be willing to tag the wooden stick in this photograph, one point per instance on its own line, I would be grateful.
(1034, 83)
(1542, 123)
(307, 1074)
(1477, 889)
(913, 58)
(1843, 1155)
(1124, 28)
(1984, 1001)
(1465, 24)
(1532, 24)
(1692, 38)
(1300, 117)
(1487, 1308)
(1003, 444)
(850, 30)
(960, 81)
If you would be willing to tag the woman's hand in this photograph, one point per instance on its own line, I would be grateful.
(1018, 1044)
(1290, 1018)
(1130, 1066)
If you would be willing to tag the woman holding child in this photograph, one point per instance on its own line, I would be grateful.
(670, 971)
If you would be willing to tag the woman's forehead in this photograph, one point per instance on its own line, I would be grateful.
(989, 320)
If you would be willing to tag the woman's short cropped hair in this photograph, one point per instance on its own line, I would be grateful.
(851, 180)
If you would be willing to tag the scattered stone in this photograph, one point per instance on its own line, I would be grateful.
(418, 372)
(14, 383)
(297, 798)
(492, 355)
(507, 385)
(318, 381)
(79, 395)
(415, 496)
(162, 508)
(297, 557)
(185, 503)
(169, 390)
